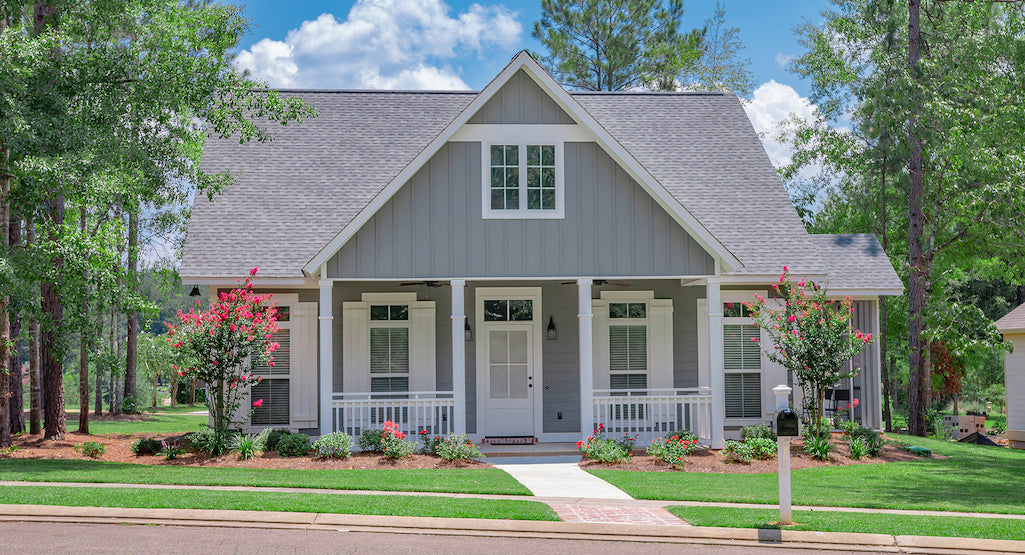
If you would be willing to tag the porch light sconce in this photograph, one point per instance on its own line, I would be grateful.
(550, 333)
(195, 291)
(467, 332)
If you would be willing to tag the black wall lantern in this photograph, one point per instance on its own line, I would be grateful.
(195, 291)
(550, 333)
(467, 332)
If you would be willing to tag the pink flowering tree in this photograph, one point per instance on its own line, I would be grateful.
(227, 340)
(812, 337)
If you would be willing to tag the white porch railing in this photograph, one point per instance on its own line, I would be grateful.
(411, 412)
(645, 414)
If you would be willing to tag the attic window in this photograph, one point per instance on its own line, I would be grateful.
(523, 181)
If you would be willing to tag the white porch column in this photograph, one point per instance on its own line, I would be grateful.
(326, 357)
(585, 317)
(715, 362)
(459, 355)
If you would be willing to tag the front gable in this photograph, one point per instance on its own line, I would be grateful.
(420, 233)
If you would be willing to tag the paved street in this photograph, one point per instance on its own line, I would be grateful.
(37, 537)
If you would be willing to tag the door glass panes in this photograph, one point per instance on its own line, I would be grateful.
(517, 310)
(508, 364)
(628, 310)
(398, 312)
(505, 177)
(735, 310)
(540, 177)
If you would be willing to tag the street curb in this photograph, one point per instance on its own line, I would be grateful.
(509, 528)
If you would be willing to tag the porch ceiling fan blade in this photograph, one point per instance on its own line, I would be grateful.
(425, 283)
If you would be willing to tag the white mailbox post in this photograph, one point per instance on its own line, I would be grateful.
(782, 393)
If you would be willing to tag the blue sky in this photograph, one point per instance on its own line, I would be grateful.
(461, 44)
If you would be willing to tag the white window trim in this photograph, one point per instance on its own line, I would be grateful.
(291, 301)
(766, 395)
(659, 326)
(356, 342)
(393, 324)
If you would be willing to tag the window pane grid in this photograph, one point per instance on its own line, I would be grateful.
(505, 177)
(540, 177)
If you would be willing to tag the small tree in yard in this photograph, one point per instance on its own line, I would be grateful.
(227, 341)
(812, 337)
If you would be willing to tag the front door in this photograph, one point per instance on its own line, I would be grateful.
(508, 361)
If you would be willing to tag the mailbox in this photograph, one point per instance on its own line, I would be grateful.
(787, 423)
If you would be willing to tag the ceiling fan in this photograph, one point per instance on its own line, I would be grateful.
(425, 283)
(603, 282)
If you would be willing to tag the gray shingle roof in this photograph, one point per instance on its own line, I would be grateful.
(1013, 320)
(296, 192)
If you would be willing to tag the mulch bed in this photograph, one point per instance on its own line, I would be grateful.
(118, 448)
(707, 460)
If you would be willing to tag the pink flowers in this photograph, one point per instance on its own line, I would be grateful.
(253, 271)
(258, 403)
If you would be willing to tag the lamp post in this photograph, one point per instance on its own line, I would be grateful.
(787, 426)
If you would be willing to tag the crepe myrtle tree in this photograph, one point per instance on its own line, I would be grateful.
(812, 337)
(227, 341)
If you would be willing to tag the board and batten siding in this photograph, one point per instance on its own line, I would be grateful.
(1014, 376)
(521, 101)
(433, 228)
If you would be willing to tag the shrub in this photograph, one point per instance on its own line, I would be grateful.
(430, 442)
(370, 440)
(873, 441)
(273, 437)
(294, 445)
(673, 449)
(336, 445)
(457, 448)
(249, 446)
(210, 441)
(682, 434)
(1000, 427)
(170, 450)
(393, 442)
(737, 451)
(818, 447)
(91, 449)
(858, 447)
(602, 449)
(847, 426)
(810, 431)
(756, 431)
(762, 447)
(147, 446)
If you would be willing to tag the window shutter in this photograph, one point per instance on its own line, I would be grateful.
(282, 357)
(628, 349)
(628, 381)
(740, 351)
(743, 395)
(389, 350)
(274, 411)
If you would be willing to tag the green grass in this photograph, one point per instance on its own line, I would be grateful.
(454, 480)
(974, 478)
(830, 521)
(397, 505)
(164, 421)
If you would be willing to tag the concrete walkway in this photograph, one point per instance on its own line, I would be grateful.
(559, 477)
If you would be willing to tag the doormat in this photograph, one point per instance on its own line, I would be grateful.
(511, 440)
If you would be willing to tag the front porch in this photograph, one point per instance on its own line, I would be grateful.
(545, 361)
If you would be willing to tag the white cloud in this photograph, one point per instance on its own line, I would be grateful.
(771, 104)
(783, 59)
(408, 44)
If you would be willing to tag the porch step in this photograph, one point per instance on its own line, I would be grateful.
(531, 450)
(511, 440)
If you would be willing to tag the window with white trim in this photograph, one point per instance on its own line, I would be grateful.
(628, 345)
(273, 387)
(523, 181)
(742, 362)
(389, 348)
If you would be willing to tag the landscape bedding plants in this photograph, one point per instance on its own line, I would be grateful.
(847, 521)
(393, 505)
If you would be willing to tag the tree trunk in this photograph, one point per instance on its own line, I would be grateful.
(16, 388)
(5, 327)
(917, 403)
(884, 374)
(35, 389)
(132, 341)
(98, 403)
(83, 353)
(113, 363)
(192, 392)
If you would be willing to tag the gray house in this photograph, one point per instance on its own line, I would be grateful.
(521, 263)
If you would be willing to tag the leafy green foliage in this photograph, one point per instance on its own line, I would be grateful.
(458, 447)
(336, 445)
(249, 446)
(370, 440)
(394, 444)
(273, 437)
(762, 447)
(672, 449)
(737, 451)
(605, 45)
(818, 447)
(208, 441)
(755, 431)
(294, 445)
(91, 449)
(145, 446)
(170, 449)
(600, 448)
(857, 447)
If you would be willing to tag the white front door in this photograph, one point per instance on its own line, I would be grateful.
(509, 380)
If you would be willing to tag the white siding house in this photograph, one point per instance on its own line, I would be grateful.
(1013, 327)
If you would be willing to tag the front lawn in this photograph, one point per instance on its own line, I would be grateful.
(837, 521)
(973, 478)
(457, 480)
(164, 420)
(395, 505)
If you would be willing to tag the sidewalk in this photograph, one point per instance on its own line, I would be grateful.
(875, 543)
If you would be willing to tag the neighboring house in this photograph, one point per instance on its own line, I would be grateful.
(521, 262)
(1012, 326)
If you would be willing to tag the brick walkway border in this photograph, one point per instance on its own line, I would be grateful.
(605, 514)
